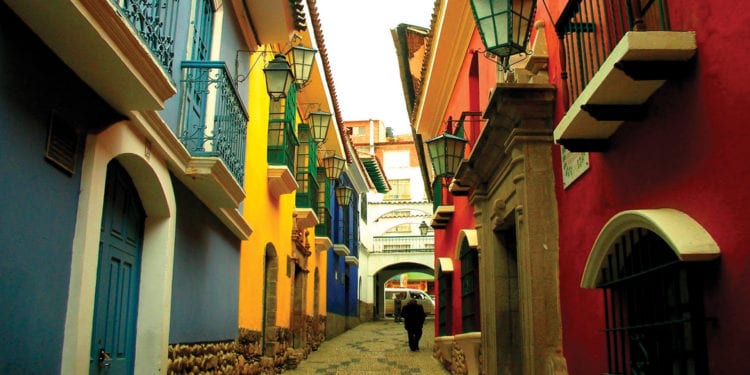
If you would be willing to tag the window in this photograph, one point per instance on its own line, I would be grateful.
(363, 209)
(401, 228)
(445, 287)
(358, 130)
(653, 308)
(400, 190)
(469, 288)
(307, 193)
(201, 22)
(396, 159)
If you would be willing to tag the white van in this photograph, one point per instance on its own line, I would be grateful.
(406, 294)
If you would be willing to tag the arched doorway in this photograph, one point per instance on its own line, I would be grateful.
(298, 307)
(118, 277)
(270, 271)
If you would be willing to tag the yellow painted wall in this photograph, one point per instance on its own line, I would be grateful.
(270, 218)
(271, 221)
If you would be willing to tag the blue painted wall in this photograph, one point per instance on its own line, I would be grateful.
(205, 286)
(231, 42)
(337, 297)
(38, 202)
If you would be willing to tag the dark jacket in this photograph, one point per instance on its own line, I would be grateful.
(413, 314)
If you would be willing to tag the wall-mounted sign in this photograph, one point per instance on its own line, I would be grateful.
(573, 165)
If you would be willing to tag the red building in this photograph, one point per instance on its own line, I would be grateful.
(606, 186)
(653, 269)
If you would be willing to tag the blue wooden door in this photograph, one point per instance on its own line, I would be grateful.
(116, 303)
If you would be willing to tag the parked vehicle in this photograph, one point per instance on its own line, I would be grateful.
(406, 294)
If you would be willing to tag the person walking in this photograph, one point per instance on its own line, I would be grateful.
(414, 315)
(397, 307)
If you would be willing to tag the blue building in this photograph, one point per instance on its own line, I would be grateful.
(123, 148)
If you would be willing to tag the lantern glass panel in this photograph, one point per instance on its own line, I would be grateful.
(302, 60)
(504, 24)
(343, 195)
(333, 166)
(279, 77)
(446, 152)
(320, 121)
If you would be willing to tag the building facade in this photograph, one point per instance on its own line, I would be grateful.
(133, 140)
(397, 239)
(593, 182)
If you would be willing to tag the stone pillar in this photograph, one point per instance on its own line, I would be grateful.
(510, 170)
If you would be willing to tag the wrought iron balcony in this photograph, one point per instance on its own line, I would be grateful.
(155, 21)
(592, 28)
(213, 117)
(403, 244)
(617, 53)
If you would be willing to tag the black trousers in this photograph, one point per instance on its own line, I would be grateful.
(414, 336)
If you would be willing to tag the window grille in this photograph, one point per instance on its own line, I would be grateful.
(445, 286)
(653, 309)
(469, 288)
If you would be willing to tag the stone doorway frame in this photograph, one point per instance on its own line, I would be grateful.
(517, 190)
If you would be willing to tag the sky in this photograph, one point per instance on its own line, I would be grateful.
(363, 56)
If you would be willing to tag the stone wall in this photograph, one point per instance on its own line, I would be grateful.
(366, 311)
(245, 355)
(336, 325)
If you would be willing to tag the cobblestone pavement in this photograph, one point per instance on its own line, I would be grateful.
(379, 347)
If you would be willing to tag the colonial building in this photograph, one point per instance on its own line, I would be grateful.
(593, 179)
(134, 131)
(125, 172)
(396, 239)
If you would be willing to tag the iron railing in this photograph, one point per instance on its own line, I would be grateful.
(653, 308)
(590, 30)
(155, 21)
(213, 117)
(403, 244)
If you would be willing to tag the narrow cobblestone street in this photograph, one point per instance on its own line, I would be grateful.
(378, 347)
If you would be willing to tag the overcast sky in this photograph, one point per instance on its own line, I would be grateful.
(363, 56)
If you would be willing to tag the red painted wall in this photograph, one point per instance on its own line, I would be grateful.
(691, 154)
(466, 96)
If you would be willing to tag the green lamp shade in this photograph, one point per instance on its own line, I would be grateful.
(343, 195)
(446, 152)
(302, 59)
(279, 77)
(504, 24)
(333, 165)
(319, 121)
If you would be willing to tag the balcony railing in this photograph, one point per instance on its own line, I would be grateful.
(155, 21)
(323, 229)
(213, 117)
(403, 244)
(590, 30)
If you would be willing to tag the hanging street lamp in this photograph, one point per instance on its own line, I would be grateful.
(504, 25)
(333, 165)
(343, 195)
(279, 77)
(319, 122)
(446, 153)
(423, 228)
(302, 59)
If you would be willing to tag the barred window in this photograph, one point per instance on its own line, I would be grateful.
(653, 308)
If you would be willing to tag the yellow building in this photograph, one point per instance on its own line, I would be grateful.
(282, 298)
